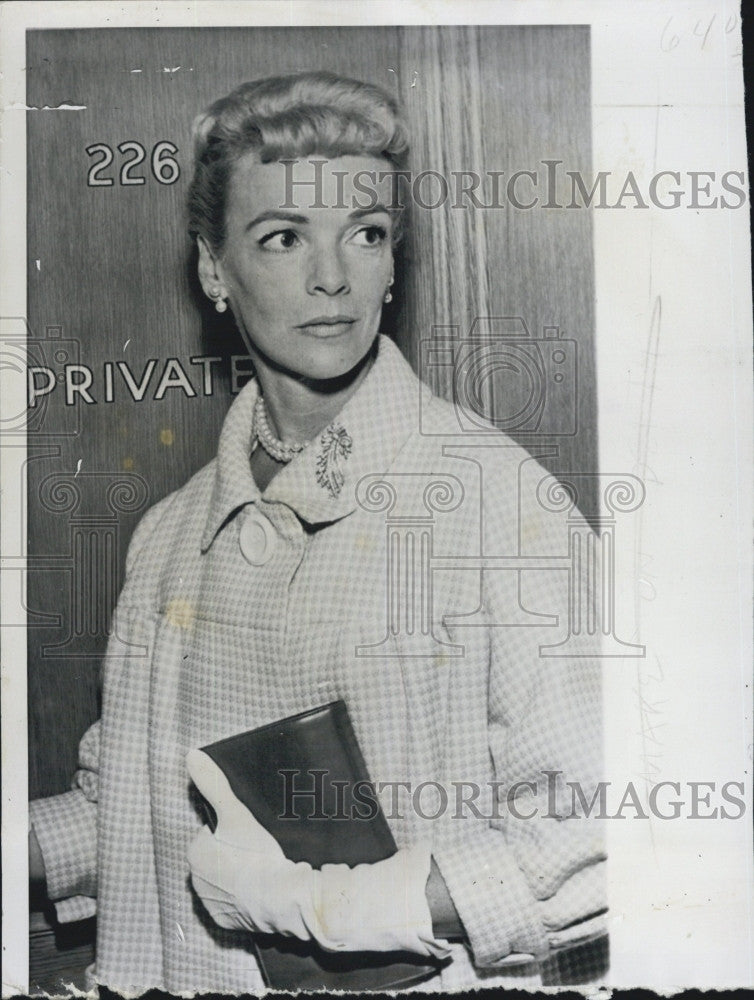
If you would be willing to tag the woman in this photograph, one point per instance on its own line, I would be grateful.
(259, 590)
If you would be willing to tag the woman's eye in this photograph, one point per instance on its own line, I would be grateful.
(370, 236)
(283, 239)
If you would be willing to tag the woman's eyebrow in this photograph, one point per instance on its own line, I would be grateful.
(369, 210)
(279, 214)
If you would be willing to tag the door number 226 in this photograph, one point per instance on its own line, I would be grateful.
(165, 168)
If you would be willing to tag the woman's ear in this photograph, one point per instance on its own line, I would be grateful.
(209, 272)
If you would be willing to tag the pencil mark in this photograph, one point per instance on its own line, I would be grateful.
(650, 713)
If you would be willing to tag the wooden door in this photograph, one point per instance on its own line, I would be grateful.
(143, 372)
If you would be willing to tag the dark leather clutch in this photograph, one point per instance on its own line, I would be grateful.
(305, 780)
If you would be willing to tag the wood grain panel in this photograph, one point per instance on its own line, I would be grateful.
(535, 106)
(112, 269)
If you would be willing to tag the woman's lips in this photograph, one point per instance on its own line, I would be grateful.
(327, 326)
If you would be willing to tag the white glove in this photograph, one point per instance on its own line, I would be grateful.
(245, 881)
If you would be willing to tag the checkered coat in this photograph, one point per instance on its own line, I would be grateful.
(366, 586)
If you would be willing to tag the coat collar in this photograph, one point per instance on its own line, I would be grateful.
(319, 485)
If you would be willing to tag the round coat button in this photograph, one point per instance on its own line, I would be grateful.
(257, 539)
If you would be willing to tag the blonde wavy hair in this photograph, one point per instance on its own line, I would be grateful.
(287, 117)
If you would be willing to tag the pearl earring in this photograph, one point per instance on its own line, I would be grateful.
(220, 304)
(388, 297)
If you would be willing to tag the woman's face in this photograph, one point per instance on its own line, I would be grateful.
(305, 269)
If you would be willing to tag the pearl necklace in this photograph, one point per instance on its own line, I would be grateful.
(281, 451)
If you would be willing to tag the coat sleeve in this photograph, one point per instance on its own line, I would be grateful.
(66, 825)
(531, 879)
(66, 828)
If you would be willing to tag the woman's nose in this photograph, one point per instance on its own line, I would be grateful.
(327, 273)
